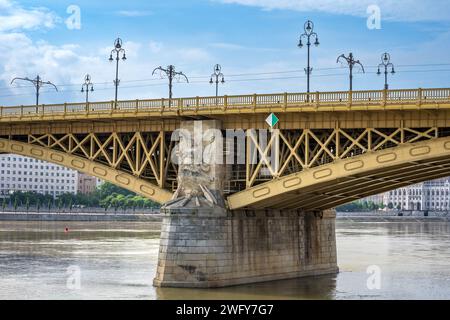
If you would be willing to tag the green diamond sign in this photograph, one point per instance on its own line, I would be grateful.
(272, 120)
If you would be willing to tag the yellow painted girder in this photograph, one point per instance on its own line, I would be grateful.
(331, 173)
(104, 172)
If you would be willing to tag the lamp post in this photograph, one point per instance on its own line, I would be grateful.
(87, 86)
(217, 74)
(38, 84)
(386, 63)
(171, 74)
(308, 34)
(117, 51)
(351, 62)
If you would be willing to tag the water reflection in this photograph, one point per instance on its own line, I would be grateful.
(320, 287)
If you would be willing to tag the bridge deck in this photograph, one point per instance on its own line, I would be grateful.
(372, 100)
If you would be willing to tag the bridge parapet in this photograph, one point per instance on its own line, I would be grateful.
(402, 99)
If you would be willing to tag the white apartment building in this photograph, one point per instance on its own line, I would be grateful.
(430, 195)
(18, 173)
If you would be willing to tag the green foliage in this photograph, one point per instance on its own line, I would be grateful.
(358, 206)
(60, 203)
(106, 196)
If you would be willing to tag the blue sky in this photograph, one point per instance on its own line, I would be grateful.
(254, 41)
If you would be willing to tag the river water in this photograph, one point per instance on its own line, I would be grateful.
(117, 260)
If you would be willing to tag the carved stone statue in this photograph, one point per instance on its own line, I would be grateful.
(199, 178)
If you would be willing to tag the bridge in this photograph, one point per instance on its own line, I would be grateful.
(270, 216)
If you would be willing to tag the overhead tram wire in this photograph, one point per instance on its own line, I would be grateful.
(231, 80)
(253, 74)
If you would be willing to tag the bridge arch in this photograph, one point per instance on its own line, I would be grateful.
(104, 172)
(345, 180)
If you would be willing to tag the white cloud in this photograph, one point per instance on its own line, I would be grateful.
(194, 54)
(227, 46)
(399, 10)
(66, 64)
(155, 47)
(14, 17)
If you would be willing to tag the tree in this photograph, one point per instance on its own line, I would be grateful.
(106, 196)
(390, 205)
(4, 204)
(106, 189)
(148, 203)
(121, 202)
(107, 202)
(15, 204)
(60, 204)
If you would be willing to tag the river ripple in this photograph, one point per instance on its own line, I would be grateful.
(117, 260)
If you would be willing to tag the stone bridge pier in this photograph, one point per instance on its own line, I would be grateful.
(203, 244)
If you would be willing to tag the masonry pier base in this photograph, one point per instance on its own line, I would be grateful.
(218, 249)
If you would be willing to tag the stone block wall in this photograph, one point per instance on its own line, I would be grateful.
(245, 247)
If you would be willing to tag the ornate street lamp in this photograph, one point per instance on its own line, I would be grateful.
(308, 34)
(87, 86)
(117, 52)
(386, 64)
(217, 75)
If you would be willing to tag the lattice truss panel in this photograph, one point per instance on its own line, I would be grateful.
(307, 148)
(145, 155)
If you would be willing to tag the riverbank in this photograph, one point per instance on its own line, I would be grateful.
(144, 217)
(395, 216)
(391, 219)
(52, 216)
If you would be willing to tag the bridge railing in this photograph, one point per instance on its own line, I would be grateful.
(371, 98)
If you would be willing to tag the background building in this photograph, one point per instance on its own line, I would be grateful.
(86, 184)
(18, 173)
(430, 195)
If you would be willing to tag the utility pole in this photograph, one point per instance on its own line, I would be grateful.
(171, 74)
(308, 34)
(87, 86)
(386, 63)
(117, 51)
(38, 84)
(351, 62)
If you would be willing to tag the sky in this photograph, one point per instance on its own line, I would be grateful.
(255, 42)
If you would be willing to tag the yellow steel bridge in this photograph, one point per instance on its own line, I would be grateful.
(334, 147)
